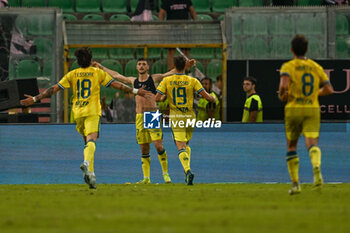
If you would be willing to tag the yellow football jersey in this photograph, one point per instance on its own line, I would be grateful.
(85, 84)
(179, 89)
(305, 79)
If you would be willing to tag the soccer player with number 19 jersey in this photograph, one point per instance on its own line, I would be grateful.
(179, 90)
(85, 82)
(302, 81)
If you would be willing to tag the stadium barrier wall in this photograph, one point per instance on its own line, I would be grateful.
(51, 154)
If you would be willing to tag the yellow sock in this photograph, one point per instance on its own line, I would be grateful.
(188, 150)
(315, 156)
(162, 156)
(293, 165)
(89, 153)
(184, 159)
(146, 165)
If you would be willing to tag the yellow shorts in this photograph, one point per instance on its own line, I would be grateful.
(182, 135)
(144, 136)
(306, 121)
(88, 125)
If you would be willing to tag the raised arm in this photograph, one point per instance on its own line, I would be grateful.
(160, 97)
(158, 77)
(115, 74)
(121, 86)
(283, 88)
(30, 100)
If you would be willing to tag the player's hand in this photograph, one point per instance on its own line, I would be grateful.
(144, 93)
(28, 101)
(96, 64)
(189, 63)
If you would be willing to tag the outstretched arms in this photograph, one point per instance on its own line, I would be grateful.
(30, 100)
(158, 77)
(115, 74)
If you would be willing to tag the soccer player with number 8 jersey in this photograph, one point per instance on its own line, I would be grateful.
(85, 82)
(302, 81)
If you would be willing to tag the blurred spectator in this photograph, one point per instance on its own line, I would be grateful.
(176, 10)
(124, 109)
(143, 11)
(217, 88)
(335, 2)
(283, 2)
(106, 111)
(206, 109)
(4, 3)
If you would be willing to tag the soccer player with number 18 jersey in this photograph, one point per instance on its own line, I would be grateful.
(302, 81)
(85, 82)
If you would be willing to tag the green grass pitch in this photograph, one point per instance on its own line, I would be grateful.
(174, 208)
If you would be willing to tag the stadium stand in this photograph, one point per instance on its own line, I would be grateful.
(153, 53)
(28, 69)
(155, 18)
(99, 53)
(281, 25)
(41, 25)
(93, 17)
(88, 6)
(309, 2)
(256, 47)
(250, 3)
(68, 17)
(133, 5)
(160, 66)
(314, 25)
(199, 65)
(221, 17)
(201, 6)
(130, 68)
(203, 17)
(255, 25)
(44, 47)
(14, 3)
(342, 25)
(119, 17)
(214, 69)
(74, 65)
(121, 53)
(341, 48)
(221, 5)
(218, 52)
(109, 93)
(34, 3)
(114, 6)
(203, 53)
(280, 47)
(113, 65)
(66, 5)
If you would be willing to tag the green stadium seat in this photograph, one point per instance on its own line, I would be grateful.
(309, 2)
(69, 17)
(202, 17)
(251, 3)
(255, 47)
(342, 25)
(155, 18)
(14, 3)
(316, 48)
(133, 5)
(130, 68)
(280, 47)
(282, 25)
(254, 25)
(74, 66)
(160, 67)
(214, 69)
(44, 47)
(302, 2)
(93, 17)
(99, 53)
(221, 17)
(153, 53)
(341, 48)
(87, 6)
(202, 6)
(45, 81)
(202, 53)
(12, 70)
(222, 5)
(113, 65)
(34, 3)
(119, 17)
(41, 25)
(309, 24)
(22, 24)
(113, 6)
(199, 65)
(109, 93)
(71, 53)
(28, 69)
(218, 53)
(66, 5)
(122, 53)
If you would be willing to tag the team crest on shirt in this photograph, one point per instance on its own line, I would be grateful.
(151, 120)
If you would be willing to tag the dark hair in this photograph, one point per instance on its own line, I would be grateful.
(84, 56)
(251, 79)
(207, 78)
(142, 59)
(179, 63)
(299, 45)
